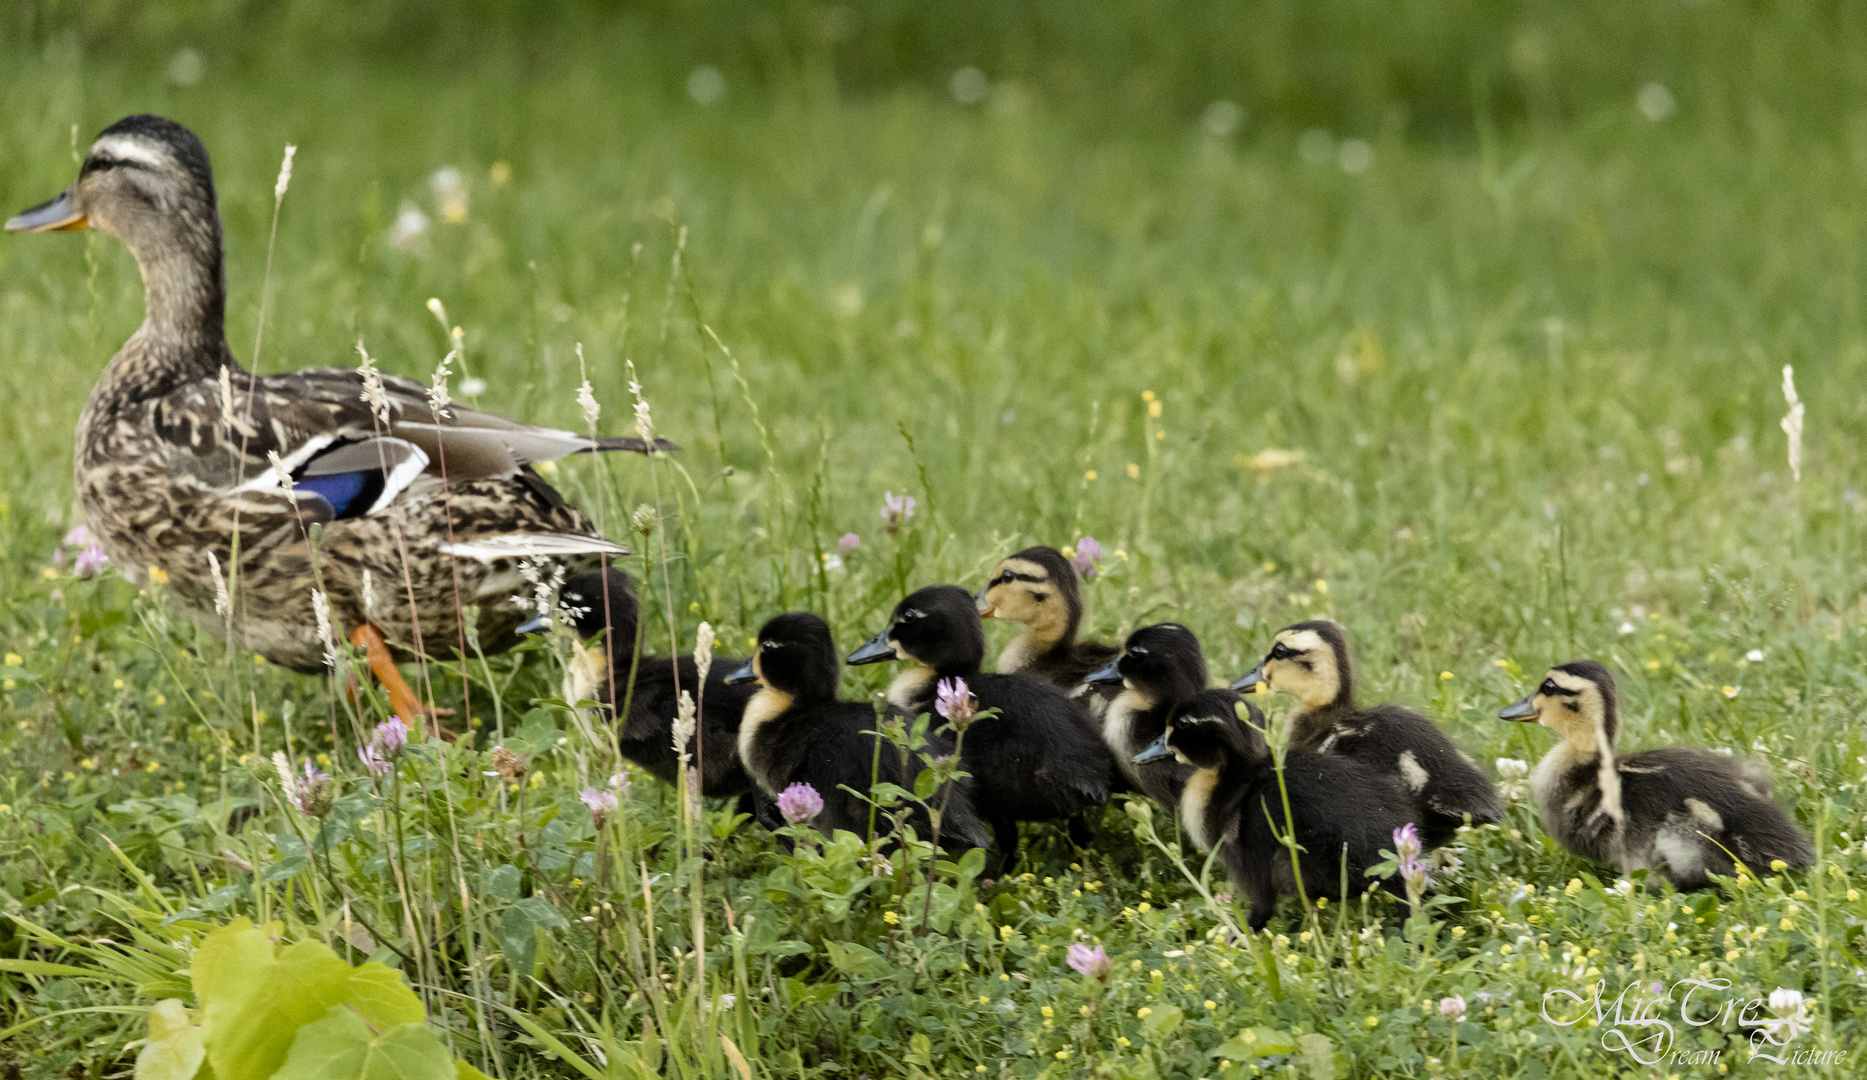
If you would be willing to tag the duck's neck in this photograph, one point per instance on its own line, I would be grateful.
(183, 336)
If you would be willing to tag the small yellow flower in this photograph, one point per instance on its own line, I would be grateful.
(1063, 1054)
(1153, 409)
(984, 999)
(1134, 471)
(1160, 434)
(1778, 865)
(1269, 567)
(1047, 1012)
(158, 576)
(1156, 974)
(88, 763)
(117, 684)
(1787, 924)
(1143, 1013)
(14, 659)
(1573, 888)
(1210, 1004)
(1147, 395)
(1853, 895)
(324, 760)
(1458, 931)
(548, 468)
(1090, 475)
(160, 700)
(1144, 907)
(5, 808)
(1005, 932)
(1504, 949)
(891, 917)
(1372, 1021)
(50, 573)
(1653, 665)
(152, 766)
(694, 607)
(7, 684)
(1445, 676)
(500, 174)
(1122, 1040)
(258, 659)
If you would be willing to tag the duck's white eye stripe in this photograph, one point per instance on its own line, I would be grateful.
(127, 149)
(1198, 720)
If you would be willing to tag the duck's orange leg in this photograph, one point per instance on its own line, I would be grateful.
(403, 701)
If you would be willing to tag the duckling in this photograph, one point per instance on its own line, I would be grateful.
(796, 731)
(601, 600)
(1680, 811)
(1039, 588)
(1345, 811)
(185, 458)
(1159, 668)
(1039, 759)
(1310, 661)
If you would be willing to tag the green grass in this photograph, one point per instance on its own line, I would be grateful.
(1531, 357)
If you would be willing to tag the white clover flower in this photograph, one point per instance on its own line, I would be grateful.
(1626, 628)
(1755, 656)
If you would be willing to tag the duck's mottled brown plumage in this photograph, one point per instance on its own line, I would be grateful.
(175, 451)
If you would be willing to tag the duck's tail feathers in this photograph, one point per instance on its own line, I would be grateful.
(532, 546)
(604, 443)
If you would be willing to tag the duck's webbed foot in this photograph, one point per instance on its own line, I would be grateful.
(403, 701)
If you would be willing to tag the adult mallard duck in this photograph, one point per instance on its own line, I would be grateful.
(401, 511)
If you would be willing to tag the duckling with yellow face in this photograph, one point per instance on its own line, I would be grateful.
(1310, 661)
(1038, 588)
(1678, 811)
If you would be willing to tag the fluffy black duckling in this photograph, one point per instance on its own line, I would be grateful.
(1039, 759)
(796, 731)
(1345, 811)
(184, 458)
(1679, 811)
(1039, 588)
(605, 600)
(1310, 661)
(1159, 668)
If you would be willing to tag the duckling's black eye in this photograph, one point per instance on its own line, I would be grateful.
(1136, 650)
(1280, 651)
(768, 645)
(1548, 687)
(910, 615)
(1004, 578)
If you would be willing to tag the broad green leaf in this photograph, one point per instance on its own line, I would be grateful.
(253, 1001)
(1163, 1021)
(925, 783)
(518, 940)
(1256, 1042)
(1320, 1059)
(175, 1048)
(501, 882)
(342, 1047)
(464, 1071)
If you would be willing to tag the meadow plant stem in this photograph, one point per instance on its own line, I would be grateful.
(939, 817)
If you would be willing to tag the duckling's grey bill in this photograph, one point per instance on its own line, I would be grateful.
(1249, 680)
(1519, 710)
(535, 626)
(1154, 751)
(987, 609)
(1107, 673)
(57, 214)
(745, 674)
(873, 651)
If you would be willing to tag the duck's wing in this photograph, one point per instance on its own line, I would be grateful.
(314, 433)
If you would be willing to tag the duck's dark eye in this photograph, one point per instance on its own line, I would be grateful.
(1137, 650)
(1280, 651)
(1548, 687)
(910, 615)
(1004, 578)
(768, 645)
